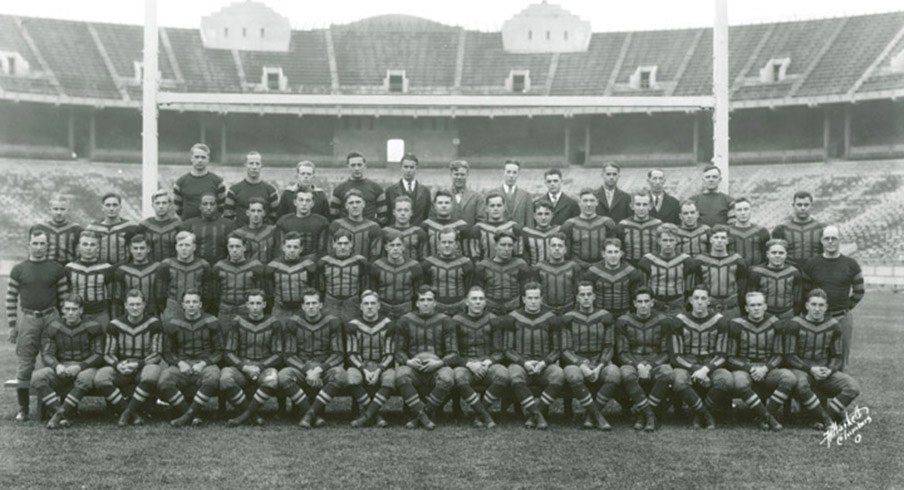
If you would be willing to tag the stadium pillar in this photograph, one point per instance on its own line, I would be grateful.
(203, 137)
(223, 140)
(826, 132)
(720, 92)
(567, 142)
(70, 130)
(92, 132)
(149, 109)
(696, 145)
(587, 142)
(847, 132)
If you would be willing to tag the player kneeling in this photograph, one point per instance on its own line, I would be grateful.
(314, 355)
(253, 346)
(133, 358)
(813, 352)
(191, 348)
(71, 350)
(588, 345)
(483, 350)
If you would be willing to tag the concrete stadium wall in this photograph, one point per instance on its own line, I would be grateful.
(781, 135)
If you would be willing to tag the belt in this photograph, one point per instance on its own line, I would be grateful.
(38, 313)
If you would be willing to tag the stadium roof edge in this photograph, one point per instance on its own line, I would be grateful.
(442, 26)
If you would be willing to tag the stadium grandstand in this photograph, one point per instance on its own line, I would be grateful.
(819, 93)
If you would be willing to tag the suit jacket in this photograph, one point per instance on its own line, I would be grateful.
(669, 209)
(520, 207)
(471, 207)
(565, 208)
(621, 205)
(420, 199)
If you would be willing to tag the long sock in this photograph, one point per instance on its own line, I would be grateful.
(263, 394)
(411, 398)
(548, 397)
(776, 401)
(22, 397)
(491, 395)
(140, 396)
(299, 400)
(323, 398)
(236, 396)
(836, 407)
(524, 395)
(437, 397)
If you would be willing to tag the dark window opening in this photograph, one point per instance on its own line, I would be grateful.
(518, 83)
(396, 83)
(273, 81)
(644, 79)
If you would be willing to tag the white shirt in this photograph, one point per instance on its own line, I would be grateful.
(508, 190)
(554, 199)
(409, 186)
(610, 195)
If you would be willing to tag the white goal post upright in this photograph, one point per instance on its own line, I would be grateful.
(720, 92)
(150, 85)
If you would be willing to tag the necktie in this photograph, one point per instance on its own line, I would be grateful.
(656, 202)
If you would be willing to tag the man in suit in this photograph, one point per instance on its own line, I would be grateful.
(466, 204)
(409, 186)
(563, 207)
(664, 207)
(517, 201)
(613, 202)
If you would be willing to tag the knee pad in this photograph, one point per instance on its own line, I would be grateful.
(628, 374)
(460, 376)
(445, 378)
(573, 375)
(404, 375)
(556, 376)
(787, 381)
(84, 381)
(104, 378)
(269, 378)
(284, 377)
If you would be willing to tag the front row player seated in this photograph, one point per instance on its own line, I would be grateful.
(369, 341)
(480, 346)
(314, 355)
(697, 351)
(71, 350)
(191, 348)
(588, 347)
(133, 359)
(642, 339)
(755, 356)
(426, 351)
(252, 352)
(813, 352)
(532, 350)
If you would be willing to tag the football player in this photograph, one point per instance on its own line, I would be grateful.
(71, 349)
(133, 355)
(191, 349)
(481, 347)
(426, 351)
(253, 352)
(588, 348)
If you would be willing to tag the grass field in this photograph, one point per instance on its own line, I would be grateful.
(95, 453)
